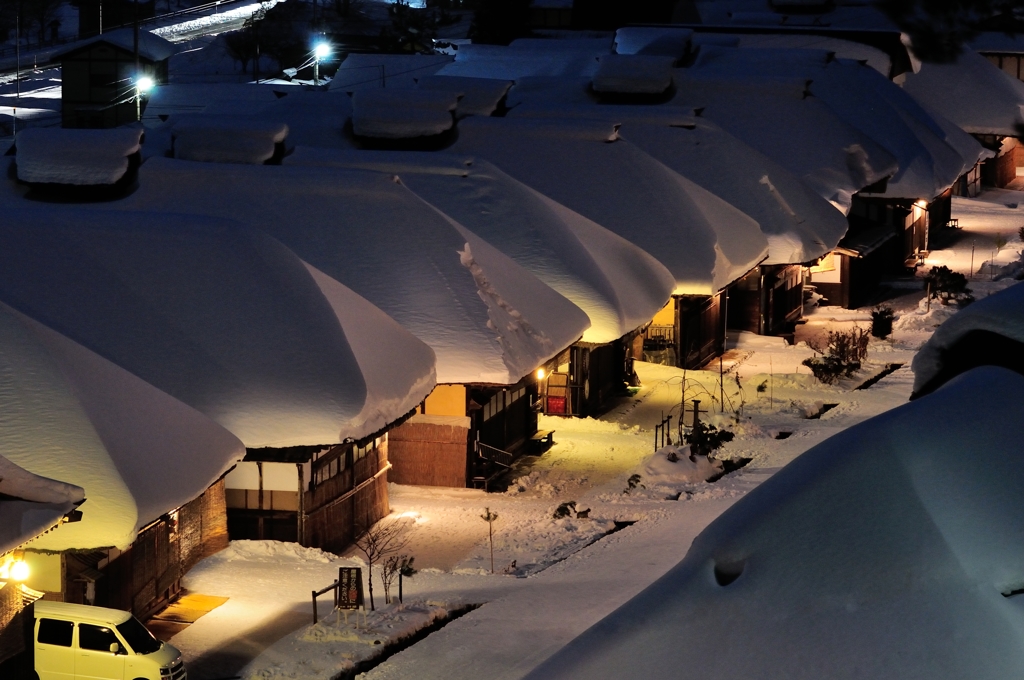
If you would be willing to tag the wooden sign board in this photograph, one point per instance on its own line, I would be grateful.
(350, 587)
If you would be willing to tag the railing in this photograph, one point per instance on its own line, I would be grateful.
(495, 455)
(336, 587)
(661, 433)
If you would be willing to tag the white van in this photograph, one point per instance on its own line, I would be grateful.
(78, 642)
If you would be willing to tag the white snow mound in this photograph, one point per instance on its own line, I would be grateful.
(82, 157)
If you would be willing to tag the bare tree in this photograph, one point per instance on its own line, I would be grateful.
(382, 540)
(395, 567)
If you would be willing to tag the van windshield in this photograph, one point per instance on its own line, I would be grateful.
(138, 638)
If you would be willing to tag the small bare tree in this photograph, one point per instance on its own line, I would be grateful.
(395, 567)
(489, 517)
(380, 541)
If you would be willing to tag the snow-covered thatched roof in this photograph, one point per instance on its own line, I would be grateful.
(402, 113)
(528, 58)
(891, 551)
(151, 46)
(971, 92)
(174, 99)
(74, 156)
(989, 331)
(479, 96)
(619, 286)
(487, 319)
(665, 41)
(72, 415)
(29, 504)
(221, 317)
(865, 99)
(705, 242)
(375, 71)
(227, 139)
(800, 133)
(633, 74)
(799, 225)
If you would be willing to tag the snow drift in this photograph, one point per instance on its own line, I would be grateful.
(999, 316)
(892, 550)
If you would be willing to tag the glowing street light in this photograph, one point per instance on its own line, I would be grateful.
(19, 570)
(321, 51)
(143, 84)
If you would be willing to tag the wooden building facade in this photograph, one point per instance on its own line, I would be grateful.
(689, 331)
(768, 300)
(98, 83)
(319, 496)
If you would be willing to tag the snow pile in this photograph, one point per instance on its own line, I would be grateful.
(986, 102)
(374, 71)
(402, 114)
(633, 74)
(660, 470)
(842, 49)
(798, 132)
(705, 242)
(339, 641)
(656, 41)
(858, 559)
(81, 157)
(530, 542)
(273, 552)
(479, 96)
(227, 139)
(1001, 314)
(619, 286)
(371, 234)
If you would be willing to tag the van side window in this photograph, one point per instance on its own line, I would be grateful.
(53, 632)
(95, 638)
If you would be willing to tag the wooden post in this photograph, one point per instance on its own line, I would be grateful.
(314, 606)
(259, 493)
(696, 412)
(300, 520)
(399, 587)
(721, 383)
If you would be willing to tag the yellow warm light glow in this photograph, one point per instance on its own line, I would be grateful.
(540, 374)
(921, 203)
(19, 570)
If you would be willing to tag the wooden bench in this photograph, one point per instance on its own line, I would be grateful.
(543, 439)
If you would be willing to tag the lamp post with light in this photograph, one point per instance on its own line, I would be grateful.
(142, 85)
(321, 51)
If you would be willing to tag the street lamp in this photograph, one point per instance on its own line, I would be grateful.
(143, 84)
(321, 51)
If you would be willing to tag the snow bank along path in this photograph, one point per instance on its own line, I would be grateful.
(885, 552)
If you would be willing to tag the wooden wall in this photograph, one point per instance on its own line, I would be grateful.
(147, 575)
(333, 523)
(428, 452)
